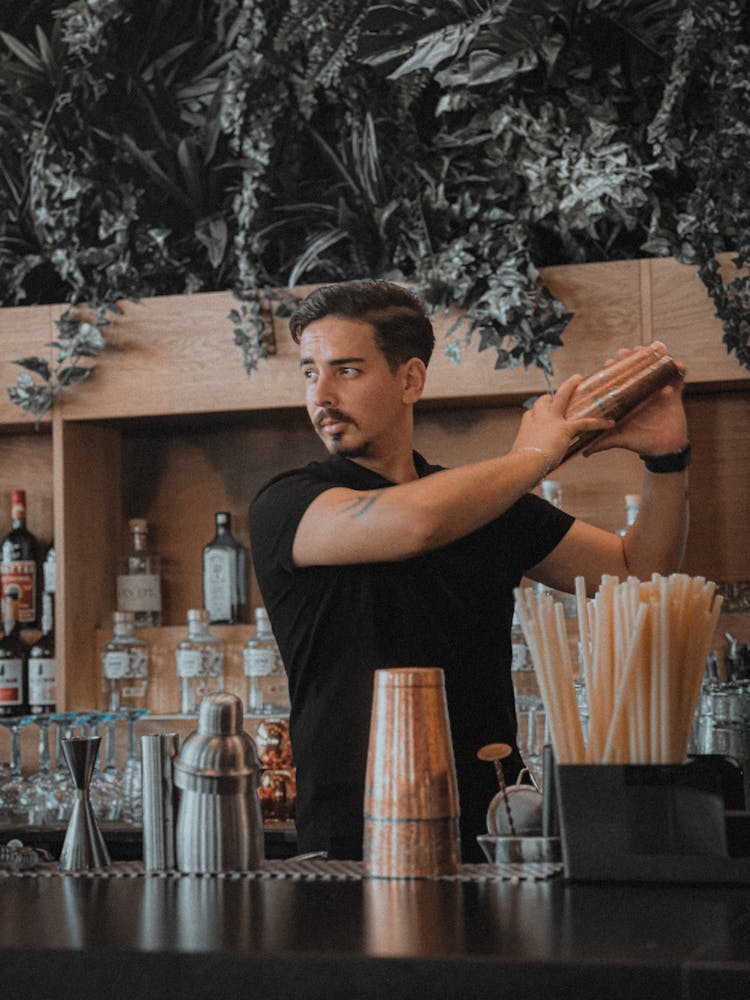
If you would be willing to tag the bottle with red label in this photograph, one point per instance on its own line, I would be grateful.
(13, 679)
(19, 569)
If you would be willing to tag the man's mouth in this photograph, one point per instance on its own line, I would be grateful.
(332, 422)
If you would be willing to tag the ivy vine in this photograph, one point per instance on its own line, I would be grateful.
(177, 146)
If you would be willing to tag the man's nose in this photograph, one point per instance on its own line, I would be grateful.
(323, 391)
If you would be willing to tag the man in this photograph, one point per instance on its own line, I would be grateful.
(374, 558)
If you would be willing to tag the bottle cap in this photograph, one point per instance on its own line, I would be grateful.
(632, 499)
(123, 618)
(138, 524)
(18, 504)
(197, 615)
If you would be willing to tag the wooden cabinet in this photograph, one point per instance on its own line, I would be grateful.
(170, 428)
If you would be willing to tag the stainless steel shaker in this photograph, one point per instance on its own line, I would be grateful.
(219, 823)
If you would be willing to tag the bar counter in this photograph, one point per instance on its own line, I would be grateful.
(272, 934)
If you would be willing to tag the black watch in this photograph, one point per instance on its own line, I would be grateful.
(676, 462)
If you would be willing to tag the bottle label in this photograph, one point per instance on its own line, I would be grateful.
(11, 682)
(139, 592)
(20, 578)
(42, 682)
(200, 663)
(520, 653)
(218, 584)
(125, 663)
(260, 662)
(134, 691)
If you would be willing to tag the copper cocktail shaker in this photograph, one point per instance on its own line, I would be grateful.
(411, 792)
(617, 389)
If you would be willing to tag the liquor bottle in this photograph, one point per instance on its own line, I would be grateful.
(139, 582)
(200, 662)
(632, 509)
(552, 492)
(13, 693)
(18, 563)
(40, 665)
(225, 575)
(124, 665)
(267, 687)
(49, 571)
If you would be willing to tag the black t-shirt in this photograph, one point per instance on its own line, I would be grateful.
(335, 625)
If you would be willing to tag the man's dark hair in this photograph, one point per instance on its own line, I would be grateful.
(402, 329)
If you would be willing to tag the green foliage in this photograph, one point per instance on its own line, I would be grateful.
(175, 146)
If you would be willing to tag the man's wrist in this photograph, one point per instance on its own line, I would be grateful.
(676, 461)
(548, 464)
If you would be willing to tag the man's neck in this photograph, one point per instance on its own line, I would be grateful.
(395, 468)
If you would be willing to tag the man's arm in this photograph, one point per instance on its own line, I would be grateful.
(404, 520)
(656, 542)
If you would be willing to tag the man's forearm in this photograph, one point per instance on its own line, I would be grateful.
(656, 542)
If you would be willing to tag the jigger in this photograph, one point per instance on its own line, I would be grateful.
(84, 845)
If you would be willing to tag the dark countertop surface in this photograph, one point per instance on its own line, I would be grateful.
(274, 935)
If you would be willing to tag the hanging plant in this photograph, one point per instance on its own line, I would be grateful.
(456, 145)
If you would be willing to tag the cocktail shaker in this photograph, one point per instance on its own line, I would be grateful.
(411, 792)
(617, 389)
(219, 824)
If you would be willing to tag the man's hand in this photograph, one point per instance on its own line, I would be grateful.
(546, 428)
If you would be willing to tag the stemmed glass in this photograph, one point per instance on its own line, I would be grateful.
(42, 789)
(106, 784)
(132, 781)
(14, 788)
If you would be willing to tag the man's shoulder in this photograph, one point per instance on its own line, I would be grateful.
(286, 481)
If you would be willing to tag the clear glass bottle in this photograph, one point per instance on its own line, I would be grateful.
(19, 563)
(267, 687)
(530, 713)
(552, 492)
(139, 580)
(49, 571)
(225, 575)
(124, 665)
(200, 662)
(41, 664)
(13, 677)
(632, 509)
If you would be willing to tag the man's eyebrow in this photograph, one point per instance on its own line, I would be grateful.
(332, 362)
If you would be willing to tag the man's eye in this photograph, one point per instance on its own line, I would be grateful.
(309, 374)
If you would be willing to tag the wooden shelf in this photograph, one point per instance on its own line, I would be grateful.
(169, 427)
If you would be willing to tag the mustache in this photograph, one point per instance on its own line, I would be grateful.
(332, 414)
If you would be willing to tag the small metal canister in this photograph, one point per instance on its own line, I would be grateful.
(219, 824)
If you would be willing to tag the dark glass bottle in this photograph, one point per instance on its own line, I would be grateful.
(13, 679)
(19, 569)
(225, 575)
(41, 666)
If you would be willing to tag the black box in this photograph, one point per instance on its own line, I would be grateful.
(645, 823)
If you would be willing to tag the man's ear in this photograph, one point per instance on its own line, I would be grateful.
(414, 376)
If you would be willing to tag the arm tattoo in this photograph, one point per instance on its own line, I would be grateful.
(362, 504)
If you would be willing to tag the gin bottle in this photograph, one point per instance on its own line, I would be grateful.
(139, 581)
(124, 665)
(200, 662)
(225, 575)
(267, 688)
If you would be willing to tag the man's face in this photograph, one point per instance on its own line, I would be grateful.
(354, 400)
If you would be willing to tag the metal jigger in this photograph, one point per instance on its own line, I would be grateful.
(84, 845)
